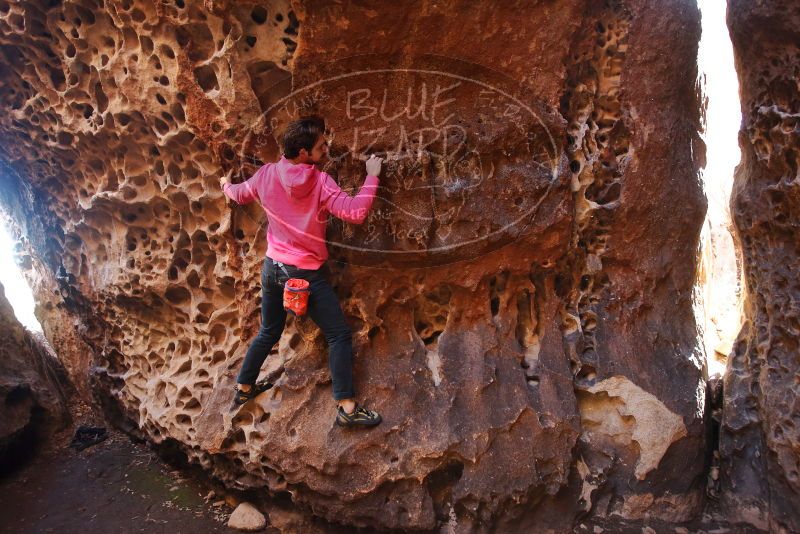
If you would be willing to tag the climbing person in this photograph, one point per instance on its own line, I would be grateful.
(297, 199)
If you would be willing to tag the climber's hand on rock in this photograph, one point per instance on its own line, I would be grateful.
(374, 165)
(226, 179)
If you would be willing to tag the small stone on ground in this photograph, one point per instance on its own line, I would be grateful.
(247, 517)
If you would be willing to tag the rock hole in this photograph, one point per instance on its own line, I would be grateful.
(161, 127)
(193, 279)
(206, 78)
(146, 44)
(291, 46)
(440, 484)
(775, 197)
(497, 285)
(177, 111)
(294, 24)
(585, 281)
(64, 138)
(611, 194)
(259, 15)
(185, 367)
(587, 375)
(58, 79)
(178, 295)
(430, 314)
(239, 437)
(198, 39)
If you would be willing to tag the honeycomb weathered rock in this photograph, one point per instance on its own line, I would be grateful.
(759, 440)
(526, 272)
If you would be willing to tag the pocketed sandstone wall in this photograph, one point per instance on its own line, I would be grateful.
(521, 303)
(759, 441)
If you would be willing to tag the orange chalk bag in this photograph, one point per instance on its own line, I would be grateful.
(295, 296)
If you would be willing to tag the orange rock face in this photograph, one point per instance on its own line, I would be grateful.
(520, 295)
(759, 441)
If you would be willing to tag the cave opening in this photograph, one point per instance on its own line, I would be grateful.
(17, 290)
(720, 274)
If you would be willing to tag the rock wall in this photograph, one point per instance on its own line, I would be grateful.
(33, 390)
(759, 442)
(520, 296)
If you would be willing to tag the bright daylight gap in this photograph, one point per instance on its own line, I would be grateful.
(17, 290)
(722, 289)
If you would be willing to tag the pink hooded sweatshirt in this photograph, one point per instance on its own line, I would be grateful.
(297, 199)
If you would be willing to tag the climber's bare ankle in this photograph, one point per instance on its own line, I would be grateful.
(244, 387)
(348, 405)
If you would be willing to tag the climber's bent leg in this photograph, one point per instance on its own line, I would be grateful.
(273, 319)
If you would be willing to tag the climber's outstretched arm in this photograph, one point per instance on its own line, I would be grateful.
(352, 209)
(242, 193)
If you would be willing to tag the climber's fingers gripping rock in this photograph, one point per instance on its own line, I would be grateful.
(374, 165)
(226, 178)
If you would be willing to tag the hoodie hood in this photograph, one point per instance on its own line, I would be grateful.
(297, 179)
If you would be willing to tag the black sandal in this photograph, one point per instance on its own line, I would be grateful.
(256, 389)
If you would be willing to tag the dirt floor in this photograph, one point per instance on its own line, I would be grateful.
(116, 486)
(121, 487)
